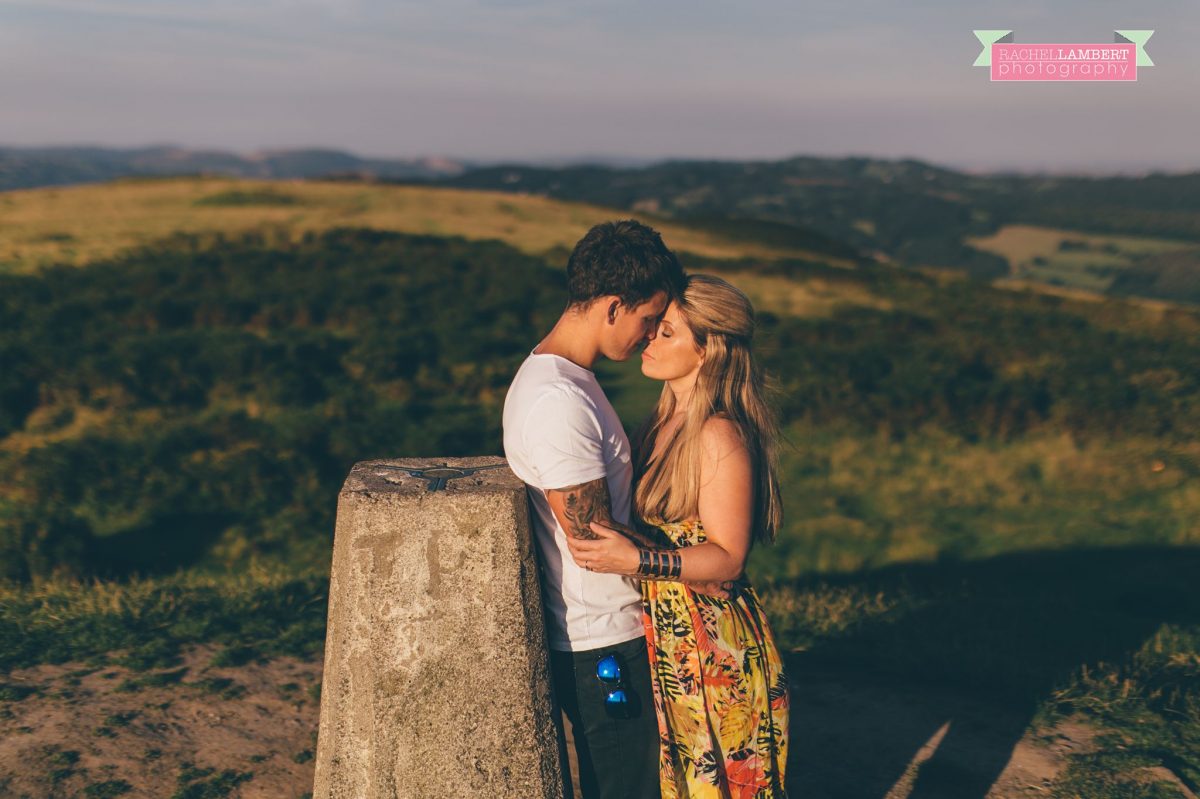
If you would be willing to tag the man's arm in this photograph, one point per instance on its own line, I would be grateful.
(577, 506)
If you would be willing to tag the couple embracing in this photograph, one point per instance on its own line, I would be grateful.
(661, 656)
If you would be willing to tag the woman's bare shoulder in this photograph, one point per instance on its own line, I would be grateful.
(721, 436)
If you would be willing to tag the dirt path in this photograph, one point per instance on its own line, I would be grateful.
(254, 736)
(262, 723)
(857, 738)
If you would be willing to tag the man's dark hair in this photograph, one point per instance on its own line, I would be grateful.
(623, 258)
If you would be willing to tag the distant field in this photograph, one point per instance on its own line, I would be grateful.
(809, 297)
(1071, 258)
(82, 224)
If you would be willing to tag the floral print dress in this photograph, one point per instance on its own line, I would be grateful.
(720, 690)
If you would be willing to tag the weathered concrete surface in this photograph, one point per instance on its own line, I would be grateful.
(436, 679)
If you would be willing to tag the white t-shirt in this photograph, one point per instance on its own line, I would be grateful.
(559, 431)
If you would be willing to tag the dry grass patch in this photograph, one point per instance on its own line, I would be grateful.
(82, 224)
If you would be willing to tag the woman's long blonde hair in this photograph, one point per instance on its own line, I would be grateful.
(729, 383)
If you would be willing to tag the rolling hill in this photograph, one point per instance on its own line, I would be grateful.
(912, 212)
(31, 167)
(905, 211)
(81, 224)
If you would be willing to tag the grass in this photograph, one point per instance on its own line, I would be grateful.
(813, 297)
(107, 789)
(1111, 636)
(1022, 243)
(1051, 574)
(239, 198)
(860, 500)
(142, 623)
(203, 783)
(1070, 258)
(82, 224)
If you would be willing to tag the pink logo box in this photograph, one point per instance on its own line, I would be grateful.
(1055, 61)
(1064, 61)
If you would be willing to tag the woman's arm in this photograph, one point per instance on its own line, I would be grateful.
(725, 510)
(584, 509)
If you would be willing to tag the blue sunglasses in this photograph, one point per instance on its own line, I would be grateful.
(608, 672)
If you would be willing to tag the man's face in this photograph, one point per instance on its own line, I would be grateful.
(634, 327)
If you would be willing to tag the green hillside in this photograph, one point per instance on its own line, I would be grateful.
(81, 224)
(984, 488)
(914, 213)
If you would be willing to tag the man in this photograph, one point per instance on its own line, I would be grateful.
(562, 437)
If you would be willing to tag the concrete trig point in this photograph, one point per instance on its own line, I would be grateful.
(436, 680)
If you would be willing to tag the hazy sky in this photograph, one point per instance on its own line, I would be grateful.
(526, 80)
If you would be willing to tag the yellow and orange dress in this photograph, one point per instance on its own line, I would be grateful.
(720, 689)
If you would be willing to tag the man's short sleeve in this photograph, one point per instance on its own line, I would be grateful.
(563, 440)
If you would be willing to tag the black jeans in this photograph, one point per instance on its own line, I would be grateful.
(618, 757)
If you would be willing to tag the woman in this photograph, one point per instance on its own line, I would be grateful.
(706, 487)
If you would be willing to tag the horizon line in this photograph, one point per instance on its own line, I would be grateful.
(631, 161)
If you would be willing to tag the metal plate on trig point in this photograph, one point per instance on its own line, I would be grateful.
(438, 476)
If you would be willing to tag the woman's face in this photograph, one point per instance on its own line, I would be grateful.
(672, 353)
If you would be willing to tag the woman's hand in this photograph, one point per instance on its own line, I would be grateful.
(610, 553)
(613, 553)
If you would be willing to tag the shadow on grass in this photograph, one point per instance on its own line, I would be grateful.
(970, 656)
(172, 542)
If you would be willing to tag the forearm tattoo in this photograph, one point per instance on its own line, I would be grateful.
(584, 504)
(589, 502)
